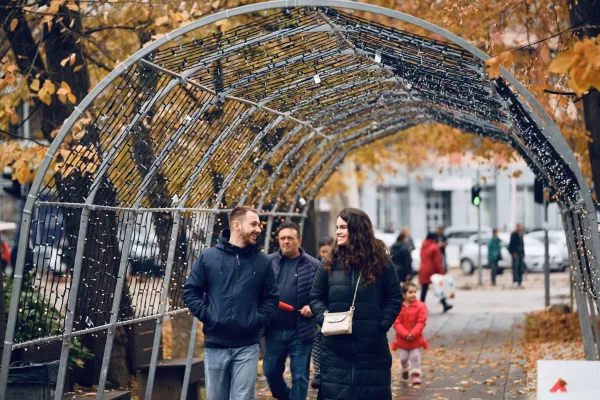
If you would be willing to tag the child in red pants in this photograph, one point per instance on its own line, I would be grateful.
(409, 327)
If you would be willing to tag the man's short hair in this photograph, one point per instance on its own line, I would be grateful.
(238, 213)
(288, 225)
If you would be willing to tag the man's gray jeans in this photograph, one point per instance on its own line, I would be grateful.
(231, 373)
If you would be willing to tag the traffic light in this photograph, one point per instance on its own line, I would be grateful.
(538, 191)
(476, 195)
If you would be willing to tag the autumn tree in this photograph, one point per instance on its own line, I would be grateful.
(54, 52)
(524, 37)
(586, 15)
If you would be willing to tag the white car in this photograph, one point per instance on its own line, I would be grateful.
(47, 257)
(459, 235)
(534, 254)
(556, 238)
(456, 237)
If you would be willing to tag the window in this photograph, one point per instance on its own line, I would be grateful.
(525, 206)
(392, 207)
(437, 209)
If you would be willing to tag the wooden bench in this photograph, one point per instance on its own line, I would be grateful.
(108, 395)
(168, 380)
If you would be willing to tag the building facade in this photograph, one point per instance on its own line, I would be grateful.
(433, 196)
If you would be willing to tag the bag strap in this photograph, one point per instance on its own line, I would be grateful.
(355, 291)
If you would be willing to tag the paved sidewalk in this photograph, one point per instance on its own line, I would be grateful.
(471, 356)
(474, 349)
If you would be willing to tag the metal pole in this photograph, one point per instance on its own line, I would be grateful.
(479, 266)
(72, 303)
(114, 313)
(571, 294)
(268, 234)
(162, 306)
(26, 121)
(546, 254)
(194, 331)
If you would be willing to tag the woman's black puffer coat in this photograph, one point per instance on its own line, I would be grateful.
(357, 366)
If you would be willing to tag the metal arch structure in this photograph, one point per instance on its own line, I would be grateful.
(260, 114)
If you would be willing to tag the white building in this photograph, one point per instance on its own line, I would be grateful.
(440, 195)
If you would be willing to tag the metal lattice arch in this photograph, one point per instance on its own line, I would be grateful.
(262, 114)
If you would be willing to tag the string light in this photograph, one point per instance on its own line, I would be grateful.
(169, 132)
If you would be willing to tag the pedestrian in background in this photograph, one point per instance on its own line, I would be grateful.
(232, 291)
(291, 333)
(357, 365)
(402, 258)
(516, 247)
(325, 246)
(431, 263)
(494, 254)
(442, 241)
(409, 240)
(409, 327)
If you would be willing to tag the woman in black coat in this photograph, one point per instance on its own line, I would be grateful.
(357, 366)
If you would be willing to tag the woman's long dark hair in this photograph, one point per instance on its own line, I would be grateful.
(363, 251)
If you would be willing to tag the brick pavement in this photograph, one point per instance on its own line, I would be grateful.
(474, 349)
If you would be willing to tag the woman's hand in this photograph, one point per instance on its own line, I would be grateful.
(410, 337)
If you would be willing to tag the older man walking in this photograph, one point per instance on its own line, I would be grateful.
(516, 247)
(292, 332)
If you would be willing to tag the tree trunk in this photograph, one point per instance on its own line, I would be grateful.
(61, 42)
(587, 13)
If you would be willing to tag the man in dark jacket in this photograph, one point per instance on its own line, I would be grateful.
(232, 291)
(402, 258)
(292, 332)
(517, 251)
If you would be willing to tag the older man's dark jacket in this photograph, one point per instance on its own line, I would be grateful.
(307, 268)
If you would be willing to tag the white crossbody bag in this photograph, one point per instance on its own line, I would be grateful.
(339, 323)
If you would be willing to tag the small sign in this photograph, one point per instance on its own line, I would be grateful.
(317, 78)
(568, 380)
(377, 57)
(559, 386)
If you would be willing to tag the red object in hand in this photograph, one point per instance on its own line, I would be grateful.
(285, 307)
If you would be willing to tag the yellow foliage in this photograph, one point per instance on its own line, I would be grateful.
(482, 23)
(493, 65)
(25, 161)
(582, 65)
(64, 93)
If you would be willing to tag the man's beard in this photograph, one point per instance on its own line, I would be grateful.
(248, 238)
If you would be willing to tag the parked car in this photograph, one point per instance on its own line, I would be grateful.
(534, 254)
(459, 235)
(144, 254)
(555, 238)
(49, 257)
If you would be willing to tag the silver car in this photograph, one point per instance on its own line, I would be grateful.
(534, 254)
